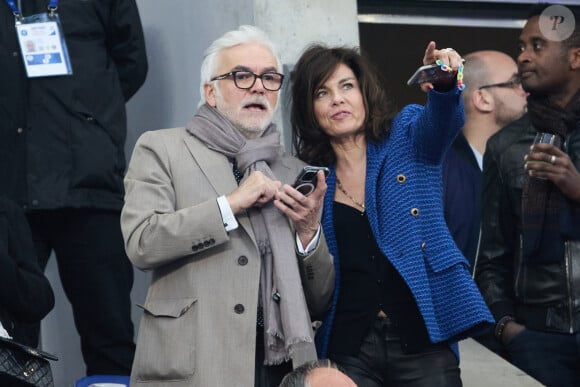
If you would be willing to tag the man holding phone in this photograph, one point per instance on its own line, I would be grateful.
(528, 266)
(237, 256)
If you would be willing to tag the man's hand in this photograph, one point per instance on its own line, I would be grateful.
(304, 211)
(256, 190)
(511, 330)
(549, 162)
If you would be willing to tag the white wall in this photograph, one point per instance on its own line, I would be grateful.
(177, 32)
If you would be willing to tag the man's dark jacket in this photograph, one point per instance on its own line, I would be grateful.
(62, 138)
(541, 296)
(462, 196)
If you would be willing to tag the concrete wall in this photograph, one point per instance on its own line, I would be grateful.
(177, 32)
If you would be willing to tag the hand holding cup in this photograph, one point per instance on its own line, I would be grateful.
(542, 158)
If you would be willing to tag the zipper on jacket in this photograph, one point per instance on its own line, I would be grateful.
(519, 270)
(567, 257)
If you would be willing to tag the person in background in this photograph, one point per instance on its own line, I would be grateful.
(317, 373)
(403, 294)
(528, 267)
(493, 98)
(239, 263)
(62, 140)
(25, 293)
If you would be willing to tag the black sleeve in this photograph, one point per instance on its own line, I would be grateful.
(25, 292)
(126, 45)
(494, 271)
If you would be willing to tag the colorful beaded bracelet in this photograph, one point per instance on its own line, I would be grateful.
(444, 67)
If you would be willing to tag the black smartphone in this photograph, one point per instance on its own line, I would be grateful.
(431, 73)
(306, 181)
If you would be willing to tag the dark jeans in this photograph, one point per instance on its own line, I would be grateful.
(96, 276)
(267, 376)
(381, 362)
(552, 358)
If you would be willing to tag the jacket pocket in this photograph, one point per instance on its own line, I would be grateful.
(166, 341)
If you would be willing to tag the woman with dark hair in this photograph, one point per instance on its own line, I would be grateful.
(403, 293)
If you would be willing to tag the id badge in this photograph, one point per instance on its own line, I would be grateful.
(42, 45)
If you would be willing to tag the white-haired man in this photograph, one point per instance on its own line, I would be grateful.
(238, 260)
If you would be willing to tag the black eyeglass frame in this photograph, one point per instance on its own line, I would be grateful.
(509, 84)
(232, 74)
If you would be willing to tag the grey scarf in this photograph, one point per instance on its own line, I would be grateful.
(286, 321)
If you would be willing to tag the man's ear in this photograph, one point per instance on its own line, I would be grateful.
(483, 101)
(209, 93)
(574, 58)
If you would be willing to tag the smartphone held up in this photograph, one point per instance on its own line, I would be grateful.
(433, 74)
(307, 178)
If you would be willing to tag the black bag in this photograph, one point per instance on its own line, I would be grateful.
(22, 366)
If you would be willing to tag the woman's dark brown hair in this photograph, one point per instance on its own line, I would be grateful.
(314, 67)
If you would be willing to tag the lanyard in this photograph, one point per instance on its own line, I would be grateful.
(52, 6)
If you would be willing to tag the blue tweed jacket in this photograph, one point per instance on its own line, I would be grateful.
(404, 204)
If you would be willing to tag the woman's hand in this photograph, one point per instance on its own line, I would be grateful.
(304, 211)
(448, 57)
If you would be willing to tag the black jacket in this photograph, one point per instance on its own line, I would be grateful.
(542, 296)
(25, 293)
(462, 196)
(62, 138)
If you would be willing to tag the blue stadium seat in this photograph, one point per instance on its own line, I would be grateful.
(103, 381)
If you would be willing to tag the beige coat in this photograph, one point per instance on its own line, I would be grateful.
(199, 322)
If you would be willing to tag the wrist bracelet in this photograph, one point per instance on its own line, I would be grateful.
(500, 326)
(444, 67)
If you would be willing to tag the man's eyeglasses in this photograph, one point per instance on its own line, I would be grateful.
(510, 84)
(245, 79)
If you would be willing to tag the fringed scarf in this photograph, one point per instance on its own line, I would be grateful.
(546, 222)
(286, 322)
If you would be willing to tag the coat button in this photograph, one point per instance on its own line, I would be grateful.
(415, 212)
(206, 243)
(401, 178)
(196, 247)
(239, 308)
(19, 130)
(243, 260)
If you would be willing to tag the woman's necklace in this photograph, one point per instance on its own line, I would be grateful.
(340, 187)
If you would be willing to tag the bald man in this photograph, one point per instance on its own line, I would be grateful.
(493, 97)
(317, 373)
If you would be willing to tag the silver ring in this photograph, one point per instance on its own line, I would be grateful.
(553, 159)
(448, 49)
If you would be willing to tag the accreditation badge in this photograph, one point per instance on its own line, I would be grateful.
(42, 45)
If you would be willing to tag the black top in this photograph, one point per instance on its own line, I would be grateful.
(369, 283)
